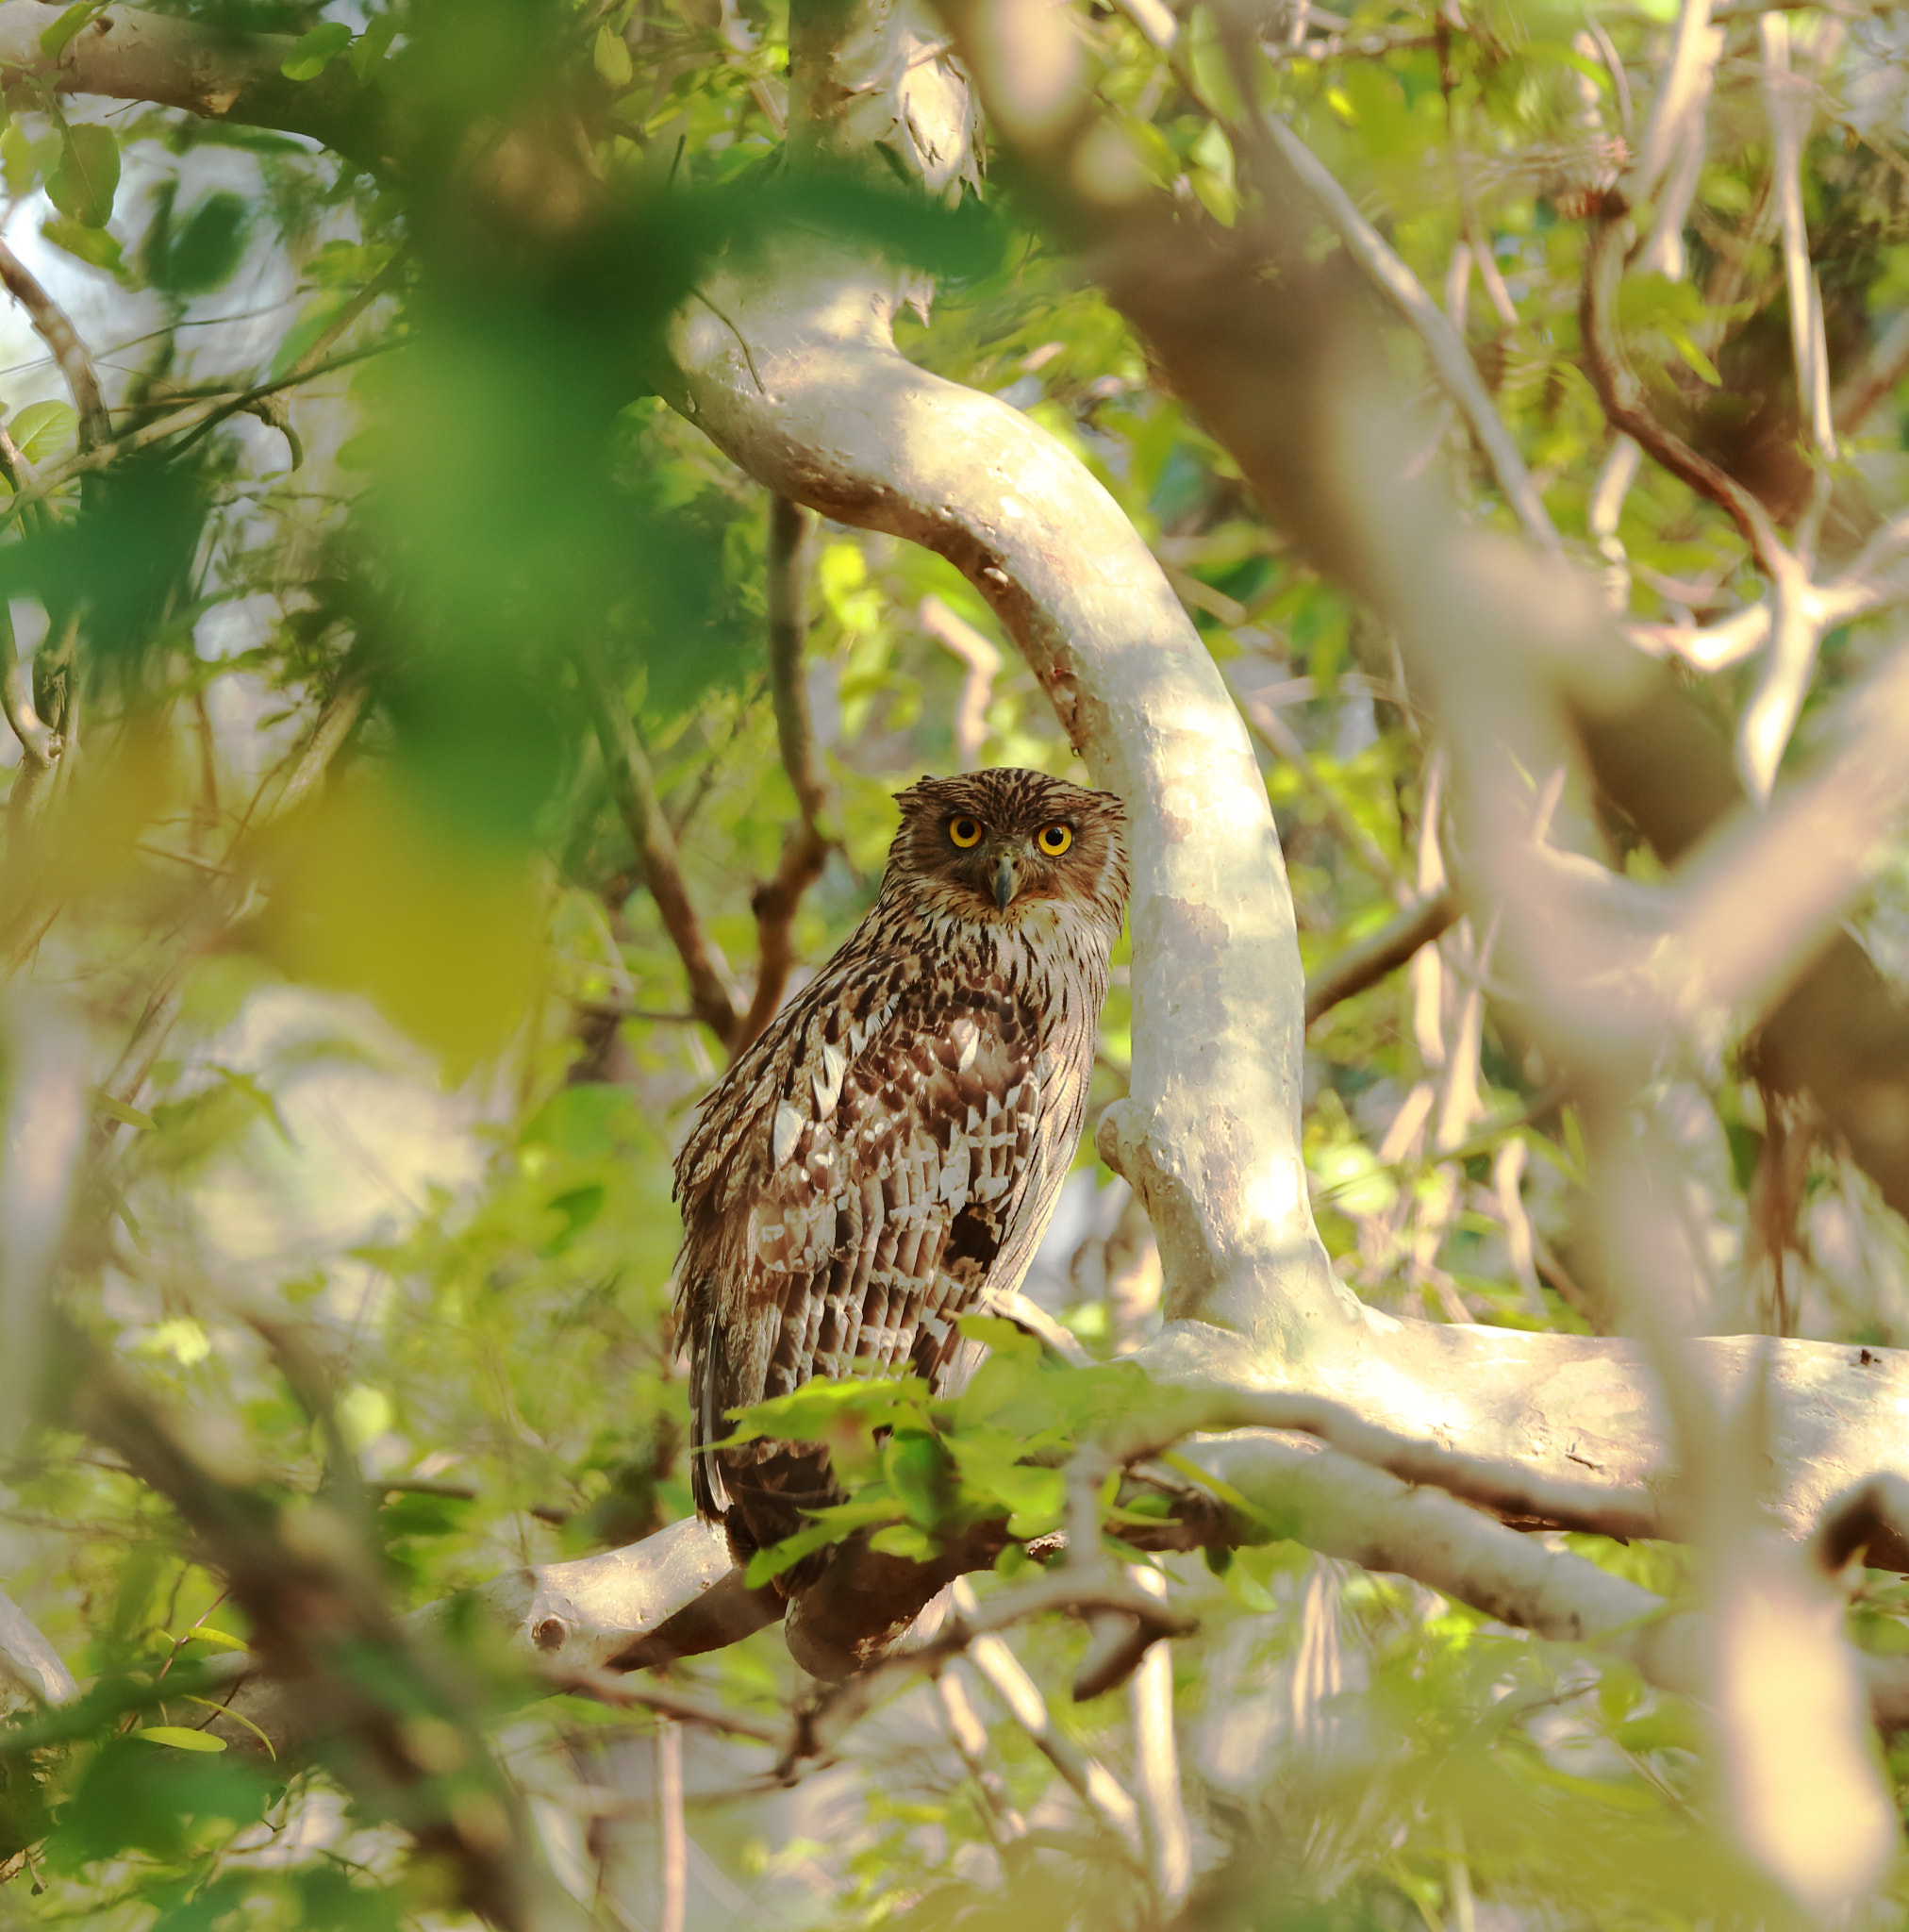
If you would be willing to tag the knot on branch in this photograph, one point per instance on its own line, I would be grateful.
(1117, 1136)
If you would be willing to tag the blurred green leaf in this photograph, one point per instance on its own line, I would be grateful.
(83, 185)
(313, 52)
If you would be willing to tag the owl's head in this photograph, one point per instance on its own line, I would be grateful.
(997, 845)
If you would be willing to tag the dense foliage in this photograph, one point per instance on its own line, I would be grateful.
(386, 1044)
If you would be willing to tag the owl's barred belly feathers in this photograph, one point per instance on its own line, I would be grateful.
(884, 1158)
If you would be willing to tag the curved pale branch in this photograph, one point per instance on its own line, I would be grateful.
(820, 405)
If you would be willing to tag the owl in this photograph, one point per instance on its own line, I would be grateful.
(883, 1159)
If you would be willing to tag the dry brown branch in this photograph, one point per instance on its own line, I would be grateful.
(806, 846)
(1627, 406)
(635, 791)
(54, 327)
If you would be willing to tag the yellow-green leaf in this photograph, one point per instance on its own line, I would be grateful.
(220, 1639)
(312, 53)
(39, 431)
(613, 57)
(53, 40)
(83, 184)
(179, 1738)
(118, 1110)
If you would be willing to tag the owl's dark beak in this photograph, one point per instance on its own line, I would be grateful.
(1004, 882)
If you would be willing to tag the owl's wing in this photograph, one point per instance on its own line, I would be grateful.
(894, 1167)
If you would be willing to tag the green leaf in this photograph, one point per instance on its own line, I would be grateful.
(613, 57)
(179, 1738)
(204, 251)
(203, 1633)
(113, 1109)
(766, 1565)
(86, 179)
(54, 39)
(38, 431)
(372, 44)
(17, 159)
(93, 246)
(905, 1541)
(312, 53)
(313, 319)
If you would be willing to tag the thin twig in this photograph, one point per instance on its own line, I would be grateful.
(636, 794)
(1785, 112)
(673, 1852)
(651, 1694)
(1156, 1763)
(194, 416)
(973, 1629)
(166, 1000)
(1670, 155)
(54, 327)
(806, 849)
(1368, 960)
(37, 739)
(1104, 1796)
(965, 1732)
(1449, 357)
(956, 635)
(1623, 395)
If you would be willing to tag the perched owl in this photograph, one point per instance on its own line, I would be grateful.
(882, 1161)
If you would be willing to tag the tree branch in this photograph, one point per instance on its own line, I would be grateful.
(635, 791)
(38, 740)
(1370, 960)
(1449, 357)
(31, 1668)
(53, 326)
(130, 55)
(1627, 406)
(806, 849)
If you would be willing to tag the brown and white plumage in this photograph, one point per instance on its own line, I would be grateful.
(884, 1158)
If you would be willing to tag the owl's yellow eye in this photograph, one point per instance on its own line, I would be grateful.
(1054, 839)
(964, 831)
